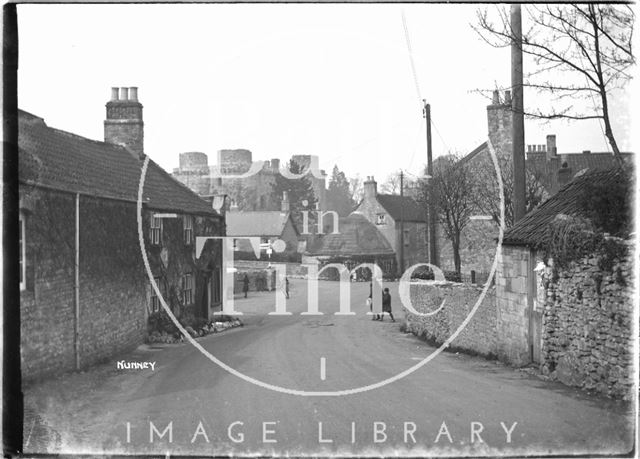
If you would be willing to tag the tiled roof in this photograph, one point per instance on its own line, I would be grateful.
(258, 223)
(532, 228)
(63, 161)
(358, 236)
(402, 207)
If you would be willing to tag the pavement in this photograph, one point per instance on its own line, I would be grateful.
(454, 405)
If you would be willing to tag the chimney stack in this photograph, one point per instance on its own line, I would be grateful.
(285, 206)
(500, 123)
(123, 124)
(370, 188)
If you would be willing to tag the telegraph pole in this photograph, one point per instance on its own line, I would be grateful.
(401, 222)
(517, 139)
(431, 213)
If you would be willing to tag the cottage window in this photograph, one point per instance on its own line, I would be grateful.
(188, 229)
(155, 300)
(407, 238)
(156, 230)
(381, 219)
(22, 248)
(187, 289)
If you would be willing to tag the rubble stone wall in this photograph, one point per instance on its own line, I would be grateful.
(479, 334)
(588, 327)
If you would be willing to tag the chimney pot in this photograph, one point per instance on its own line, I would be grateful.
(586, 152)
(133, 93)
(496, 98)
(114, 94)
(124, 93)
(507, 97)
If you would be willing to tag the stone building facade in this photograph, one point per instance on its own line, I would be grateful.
(85, 294)
(256, 188)
(400, 219)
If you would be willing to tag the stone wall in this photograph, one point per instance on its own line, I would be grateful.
(512, 307)
(260, 279)
(588, 327)
(112, 308)
(477, 337)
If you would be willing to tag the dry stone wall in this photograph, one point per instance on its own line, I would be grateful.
(479, 334)
(588, 327)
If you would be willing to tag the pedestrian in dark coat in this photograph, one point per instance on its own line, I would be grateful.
(245, 285)
(386, 304)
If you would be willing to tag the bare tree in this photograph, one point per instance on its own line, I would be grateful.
(451, 189)
(486, 196)
(392, 184)
(581, 51)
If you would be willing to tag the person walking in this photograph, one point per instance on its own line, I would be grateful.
(286, 287)
(386, 304)
(245, 285)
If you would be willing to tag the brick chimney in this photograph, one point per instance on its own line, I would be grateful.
(285, 205)
(564, 174)
(552, 150)
(500, 122)
(370, 188)
(124, 125)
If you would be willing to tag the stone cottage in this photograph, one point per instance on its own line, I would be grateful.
(400, 219)
(84, 292)
(267, 225)
(522, 300)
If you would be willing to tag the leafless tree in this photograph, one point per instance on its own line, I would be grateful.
(580, 51)
(451, 189)
(392, 184)
(486, 196)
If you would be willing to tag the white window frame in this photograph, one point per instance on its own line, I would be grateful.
(187, 226)
(187, 289)
(155, 232)
(23, 251)
(381, 219)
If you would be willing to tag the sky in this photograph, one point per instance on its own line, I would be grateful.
(281, 79)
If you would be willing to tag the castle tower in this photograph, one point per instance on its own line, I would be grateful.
(124, 125)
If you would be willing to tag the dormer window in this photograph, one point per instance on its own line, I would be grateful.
(381, 219)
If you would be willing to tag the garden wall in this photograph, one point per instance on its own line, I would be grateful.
(477, 337)
(588, 326)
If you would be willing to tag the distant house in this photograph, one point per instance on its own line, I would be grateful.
(267, 225)
(400, 219)
(358, 241)
(552, 170)
(85, 295)
(519, 293)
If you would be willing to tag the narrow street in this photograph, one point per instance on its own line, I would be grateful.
(444, 407)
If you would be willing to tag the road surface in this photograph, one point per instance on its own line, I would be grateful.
(454, 405)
